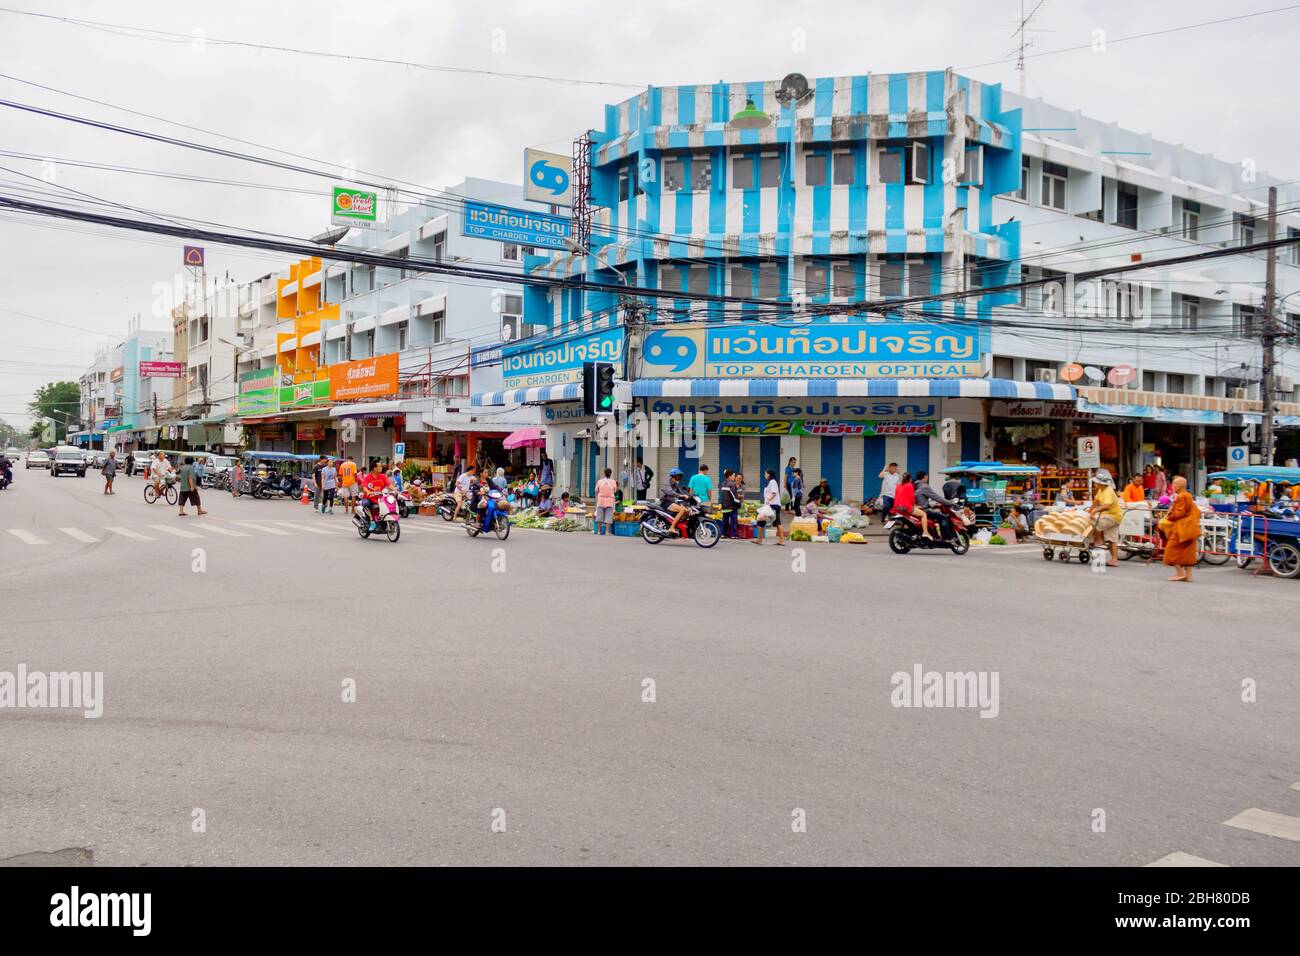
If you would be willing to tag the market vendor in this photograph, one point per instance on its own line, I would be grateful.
(1107, 513)
(1134, 492)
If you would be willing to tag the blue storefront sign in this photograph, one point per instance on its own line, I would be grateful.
(507, 224)
(527, 366)
(1183, 416)
(818, 349)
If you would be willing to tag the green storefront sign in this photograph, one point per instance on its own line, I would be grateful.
(259, 392)
(305, 394)
(353, 207)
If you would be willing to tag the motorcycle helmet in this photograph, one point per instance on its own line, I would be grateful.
(675, 473)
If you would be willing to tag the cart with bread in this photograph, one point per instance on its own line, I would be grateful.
(1065, 535)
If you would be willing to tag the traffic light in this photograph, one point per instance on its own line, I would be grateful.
(598, 388)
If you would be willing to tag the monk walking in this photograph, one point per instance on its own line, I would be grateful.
(1182, 528)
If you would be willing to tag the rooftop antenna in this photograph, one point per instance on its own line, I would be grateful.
(1020, 34)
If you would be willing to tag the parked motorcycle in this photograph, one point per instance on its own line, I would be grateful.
(905, 532)
(387, 518)
(493, 516)
(696, 524)
(447, 510)
(404, 503)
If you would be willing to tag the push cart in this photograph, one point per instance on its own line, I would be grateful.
(1065, 544)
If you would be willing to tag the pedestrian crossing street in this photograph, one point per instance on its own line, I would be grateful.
(194, 528)
(1269, 823)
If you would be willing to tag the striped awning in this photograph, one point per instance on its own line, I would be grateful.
(851, 388)
(522, 396)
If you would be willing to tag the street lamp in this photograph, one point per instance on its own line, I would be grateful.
(751, 117)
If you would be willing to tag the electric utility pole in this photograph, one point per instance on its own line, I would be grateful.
(1268, 336)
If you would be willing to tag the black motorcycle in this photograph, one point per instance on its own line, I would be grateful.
(446, 505)
(696, 524)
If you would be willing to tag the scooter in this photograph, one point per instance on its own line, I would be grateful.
(493, 516)
(386, 518)
(447, 509)
(905, 532)
(404, 503)
(656, 525)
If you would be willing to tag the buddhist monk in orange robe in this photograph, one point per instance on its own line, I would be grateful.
(1183, 528)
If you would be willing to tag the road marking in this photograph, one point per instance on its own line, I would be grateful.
(305, 527)
(261, 527)
(1296, 785)
(1267, 822)
(218, 529)
(1180, 858)
(177, 532)
(78, 535)
(26, 537)
(128, 533)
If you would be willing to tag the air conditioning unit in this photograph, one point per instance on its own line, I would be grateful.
(1047, 375)
(1240, 393)
(1286, 385)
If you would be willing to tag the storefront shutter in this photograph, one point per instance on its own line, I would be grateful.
(874, 459)
(728, 453)
(918, 454)
(810, 461)
(751, 467)
(832, 451)
(850, 486)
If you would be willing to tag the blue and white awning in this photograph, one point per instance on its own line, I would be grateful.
(851, 388)
(522, 396)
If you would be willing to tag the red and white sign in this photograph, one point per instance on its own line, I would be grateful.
(162, 369)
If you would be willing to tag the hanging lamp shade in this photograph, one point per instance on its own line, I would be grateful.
(751, 117)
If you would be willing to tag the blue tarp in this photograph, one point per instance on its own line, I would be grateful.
(1260, 473)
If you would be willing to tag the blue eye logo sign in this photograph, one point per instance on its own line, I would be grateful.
(674, 350)
(548, 177)
(552, 178)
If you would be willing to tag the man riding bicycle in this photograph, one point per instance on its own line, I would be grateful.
(161, 471)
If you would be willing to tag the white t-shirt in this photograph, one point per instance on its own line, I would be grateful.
(159, 467)
(462, 483)
(772, 494)
(888, 483)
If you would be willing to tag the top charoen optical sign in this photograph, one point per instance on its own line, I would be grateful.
(354, 207)
(548, 177)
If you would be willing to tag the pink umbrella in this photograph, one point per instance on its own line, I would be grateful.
(525, 438)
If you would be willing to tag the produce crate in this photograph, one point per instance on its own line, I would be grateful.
(745, 531)
(627, 529)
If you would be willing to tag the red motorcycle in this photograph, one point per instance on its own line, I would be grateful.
(952, 534)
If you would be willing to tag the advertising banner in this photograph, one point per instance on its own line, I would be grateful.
(820, 409)
(484, 220)
(353, 207)
(259, 393)
(828, 428)
(305, 394)
(310, 431)
(561, 362)
(367, 378)
(548, 177)
(816, 349)
(162, 369)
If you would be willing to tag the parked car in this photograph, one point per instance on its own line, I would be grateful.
(38, 459)
(68, 460)
(89, 456)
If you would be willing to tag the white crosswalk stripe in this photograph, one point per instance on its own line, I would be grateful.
(78, 535)
(177, 532)
(1268, 823)
(128, 533)
(1179, 858)
(26, 537)
(263, 527)
(228, 532)
(306, 527)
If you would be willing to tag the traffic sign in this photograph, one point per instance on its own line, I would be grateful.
(1238, 455)
(1089, 452)
(399, 452)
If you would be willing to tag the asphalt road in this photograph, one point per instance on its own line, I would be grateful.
(521, 690)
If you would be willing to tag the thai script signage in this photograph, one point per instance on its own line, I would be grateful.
(819, 349)
(561, 363)
(507, 224)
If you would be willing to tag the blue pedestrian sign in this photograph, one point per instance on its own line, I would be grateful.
(1238, 455)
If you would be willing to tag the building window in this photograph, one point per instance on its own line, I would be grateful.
(1244, 322)
(769, 170)
(439, 249)
(1054, 180)
(919, 276)
(891, 278)
(511, 252)
(1191, 220)
(843, 168)
(973, 173)
(674, 175)
(701, 172)
(440, 328)
(769, 281)
(907, 163)
(1246, 230)
(1023, 192)
(816, 169)
(1177, 384)
(628, 184)
(370, 344)
(1126, 205)
(742, 171)
(1003, 367)
(816, 279)
(1034, 369)
(403, 335)
(1052, 292)
(1294, 247)
(203, 330)
(844, 280)
(742, 282)
(697, 280)
(1189, 314)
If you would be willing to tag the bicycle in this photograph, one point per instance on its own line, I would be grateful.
(168, 493)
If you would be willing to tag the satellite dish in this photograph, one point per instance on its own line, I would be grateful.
(794, 90)
(1094, 374)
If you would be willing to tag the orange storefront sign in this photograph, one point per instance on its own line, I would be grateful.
(367, 378)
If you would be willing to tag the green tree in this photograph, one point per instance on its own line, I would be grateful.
(60, 402)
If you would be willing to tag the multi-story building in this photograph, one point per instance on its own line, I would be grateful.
(121, 408)
(803, 201)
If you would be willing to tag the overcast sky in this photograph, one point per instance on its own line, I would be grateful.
(1228, 89)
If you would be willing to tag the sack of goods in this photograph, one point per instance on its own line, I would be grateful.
(1074, 524)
